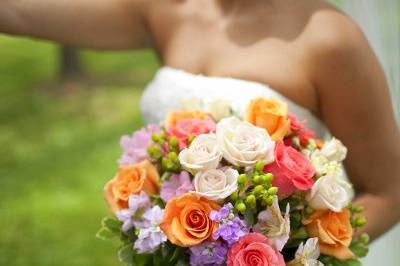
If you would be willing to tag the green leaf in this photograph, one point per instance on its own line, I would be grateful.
(142, 259)
(106, 234)
(249, 217)
(177, 252)
(125, 254)
(111, 224)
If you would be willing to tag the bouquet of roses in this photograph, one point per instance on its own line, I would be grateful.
(211, 188)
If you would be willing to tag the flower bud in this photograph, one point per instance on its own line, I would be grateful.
(273, 191)
(242, 179)
(167, 163)
(241, 207)
(173, 142)
(256, 179)
(154, 152)
(234, 196)
(251, 200)
(173, 156)
(259, 166)
(364, 238)
(258, 189)
(155, 138)
(360, 221)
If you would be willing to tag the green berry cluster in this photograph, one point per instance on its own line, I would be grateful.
(356, 220)
(254, 189)
(165, 152)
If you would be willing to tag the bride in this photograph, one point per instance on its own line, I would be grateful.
(306, 52)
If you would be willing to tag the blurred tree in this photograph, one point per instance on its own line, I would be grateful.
(70, 64)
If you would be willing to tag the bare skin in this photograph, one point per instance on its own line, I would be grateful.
(306, 50)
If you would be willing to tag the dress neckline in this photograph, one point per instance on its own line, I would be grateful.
(172, 71)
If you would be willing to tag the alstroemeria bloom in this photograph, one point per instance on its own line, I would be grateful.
(307, 254)
(272, 224)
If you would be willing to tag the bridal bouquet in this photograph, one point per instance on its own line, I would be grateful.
(211, 188)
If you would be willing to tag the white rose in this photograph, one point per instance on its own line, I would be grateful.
(243, 144)
(219, 109)
(334, 150)
(330, 192)
(216, 184)
(202, 154)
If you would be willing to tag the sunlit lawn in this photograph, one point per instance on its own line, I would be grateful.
(58, 148)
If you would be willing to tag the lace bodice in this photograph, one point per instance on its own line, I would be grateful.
(170, 86)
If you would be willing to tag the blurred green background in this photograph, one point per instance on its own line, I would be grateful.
(59, 143)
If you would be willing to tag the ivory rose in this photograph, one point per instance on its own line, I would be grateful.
(243, 144)
(270, 114)
(131, 179)
(253, 250)
(216, 184)
(186, 220)
(334, 232)
(292, 170)
(334, 150)
(203, 154)
(218, 109)
(329, 192)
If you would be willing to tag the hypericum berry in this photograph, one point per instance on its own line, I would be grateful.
(173, 142)
(259, 189)
(272, 191)
(241, 207)
(256, 179)
(259, 166)
(251, 200)
(242, 179)
(234, 196)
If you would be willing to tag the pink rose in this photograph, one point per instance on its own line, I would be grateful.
(292, 170)
(254, 249)
(185, 128)
(296, 127)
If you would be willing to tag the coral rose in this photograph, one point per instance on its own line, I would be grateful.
(131, 179)
(334, 232)
(292, 170)
(186, 220)
(254, 249)
(173, 117)
(183, 128)
(270, 114)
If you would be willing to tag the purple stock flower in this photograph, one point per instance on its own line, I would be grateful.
(208, 253)
(231, 228)
(135, 146)
(132, 216)
(178, 184)
(151, 236)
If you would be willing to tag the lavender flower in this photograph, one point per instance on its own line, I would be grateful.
(231, 228)
(132, 216)
(135, 147)
(208, 253)
(177, 185)
(151, 236)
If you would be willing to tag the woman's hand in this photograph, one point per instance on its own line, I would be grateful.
(99, 24)
(355, 103)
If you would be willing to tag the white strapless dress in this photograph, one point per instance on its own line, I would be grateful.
(170, 86)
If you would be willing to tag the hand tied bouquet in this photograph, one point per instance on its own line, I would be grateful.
(211, 188)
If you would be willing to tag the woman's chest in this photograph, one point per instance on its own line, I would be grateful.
(249, 52)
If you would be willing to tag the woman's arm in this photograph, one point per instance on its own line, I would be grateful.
(100, 24)
(355, 103)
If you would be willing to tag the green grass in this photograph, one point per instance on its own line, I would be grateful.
(58, 148)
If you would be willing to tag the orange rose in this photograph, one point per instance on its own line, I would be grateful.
(186, 220)
(131, 179)
(270, 114)
(173, 117)
(334, 232)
